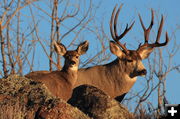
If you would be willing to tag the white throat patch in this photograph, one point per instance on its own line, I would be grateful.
(130, 79)
(74, 68)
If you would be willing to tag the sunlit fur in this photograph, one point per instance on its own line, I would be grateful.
(60, 83)
(117, 77)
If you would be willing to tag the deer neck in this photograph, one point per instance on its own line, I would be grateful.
(117, 72)
(118, 69)
(71, 75)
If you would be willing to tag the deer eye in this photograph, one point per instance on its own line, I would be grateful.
(77, 56)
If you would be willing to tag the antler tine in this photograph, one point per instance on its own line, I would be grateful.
(167, 39)
(111, 23)
(147, 31)
(115, 22)
(157, 44)
(126, 30)
(166, 42)
(160, 30)
(142, 24)
(146, 34)
(114, 34)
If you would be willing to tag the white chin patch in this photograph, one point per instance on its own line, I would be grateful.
(143, 75)
(74, 68)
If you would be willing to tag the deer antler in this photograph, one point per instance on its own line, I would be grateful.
(114, 33)
(147, 32)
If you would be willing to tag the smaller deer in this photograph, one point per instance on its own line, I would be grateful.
(60, 83)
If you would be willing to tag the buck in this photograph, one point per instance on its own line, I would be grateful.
(117, 77)
(60, 83)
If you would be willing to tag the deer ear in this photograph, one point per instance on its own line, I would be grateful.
(60, 48)
(83, 47)
(114, 48)
(144, 53)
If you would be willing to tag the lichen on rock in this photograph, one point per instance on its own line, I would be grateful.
(21, 98)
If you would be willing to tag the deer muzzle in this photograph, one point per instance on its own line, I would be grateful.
(72, 63)
(138, 73)
(142, 72)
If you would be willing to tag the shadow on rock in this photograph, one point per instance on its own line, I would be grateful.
(96, 104)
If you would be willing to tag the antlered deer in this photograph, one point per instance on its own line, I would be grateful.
(60, 83)
(117, 77)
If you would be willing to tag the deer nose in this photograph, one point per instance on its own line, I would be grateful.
(72, 62)
(144, 71)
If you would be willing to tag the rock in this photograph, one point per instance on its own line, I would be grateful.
(96, 104)
(61, 111)
(23, 98)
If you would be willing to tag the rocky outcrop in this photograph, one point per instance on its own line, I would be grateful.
(97, 104)
(22, 98)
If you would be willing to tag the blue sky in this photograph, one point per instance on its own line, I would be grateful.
(169, 8)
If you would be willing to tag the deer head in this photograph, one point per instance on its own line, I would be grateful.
(132, 59)
(71, 57)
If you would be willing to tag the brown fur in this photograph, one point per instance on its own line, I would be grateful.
(112, 78)
(60, 83)
(115, 78)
